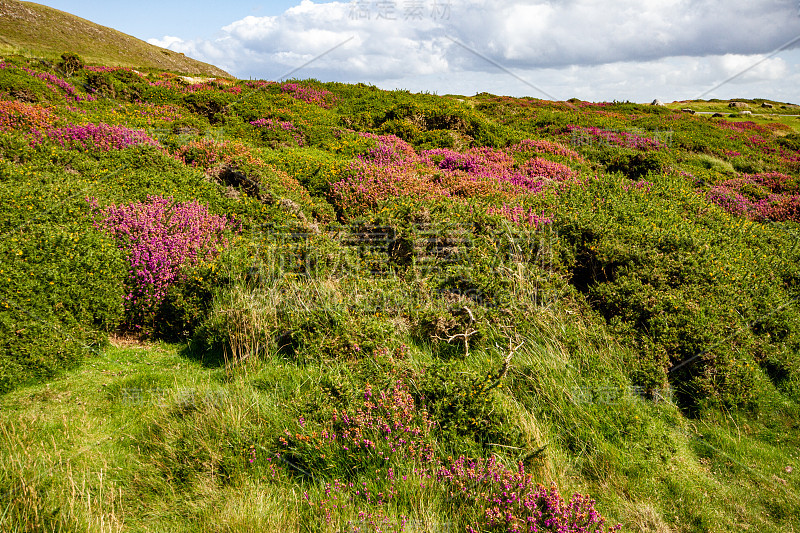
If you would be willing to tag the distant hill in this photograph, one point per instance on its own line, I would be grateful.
(33, 29)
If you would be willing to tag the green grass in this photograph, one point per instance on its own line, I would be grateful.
(144, 439)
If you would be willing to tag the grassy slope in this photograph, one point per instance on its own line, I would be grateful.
(157, 437)
(41, 31)
(106, 448)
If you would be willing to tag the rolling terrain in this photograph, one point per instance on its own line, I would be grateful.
(306, 306)
(31, 29)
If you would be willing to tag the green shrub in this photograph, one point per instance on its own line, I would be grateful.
(26, 88)
(468, 409)
(209, 103)
(61, 291)
(71, 63)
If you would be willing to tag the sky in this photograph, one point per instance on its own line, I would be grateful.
(623, 50)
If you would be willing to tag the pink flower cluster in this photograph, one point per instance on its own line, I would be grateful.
(54, 81)
(744, 125)
(537, 169)
(770, 196)
(386, 428)
(102, 137)
(206, 153)
(544, 147)
(20, 115)
(390, 150)
(393, 168)
(319, 97)
(273, 125)
(499, 166)
(155, 113)
(619, 138)
(641, 185)
(388, 439)
(513, 502)
(94, 68)
(161, 237)
(518, 215)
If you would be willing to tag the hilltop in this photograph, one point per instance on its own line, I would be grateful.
(308, 306)
(35, 30)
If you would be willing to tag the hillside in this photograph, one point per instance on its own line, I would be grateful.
(35, 30)
(306, 306)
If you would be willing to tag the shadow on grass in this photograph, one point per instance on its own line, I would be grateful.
(208, 358)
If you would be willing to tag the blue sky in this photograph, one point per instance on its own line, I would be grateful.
(188, 19)
(556, 49)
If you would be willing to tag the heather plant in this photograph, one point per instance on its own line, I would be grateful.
(513, 502)
(319, 97)
(161, 238)
(15, 115)
(531, 146)
(394, 168)
(461, 223)
(766, 196)
(207, 153)
(99, 137)
(55, 83)
(275, 132)
(595, 135)
(384, 431)
(369, 456)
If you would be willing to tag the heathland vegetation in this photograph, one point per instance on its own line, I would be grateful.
(305, 306)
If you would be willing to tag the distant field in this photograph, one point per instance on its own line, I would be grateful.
(760, 115)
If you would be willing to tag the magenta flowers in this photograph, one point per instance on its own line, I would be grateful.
(269, 124)
(513, 502)
(161, 238)
(319, 97)
(771, 195)
(388, 439)
(595, 135)
(100, 137)
(394, 168)
(53, 81)
(519, 215)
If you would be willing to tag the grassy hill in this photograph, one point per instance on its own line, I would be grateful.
(306, 306)
(35, 30)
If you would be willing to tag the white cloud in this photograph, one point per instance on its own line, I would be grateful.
(624, 45)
